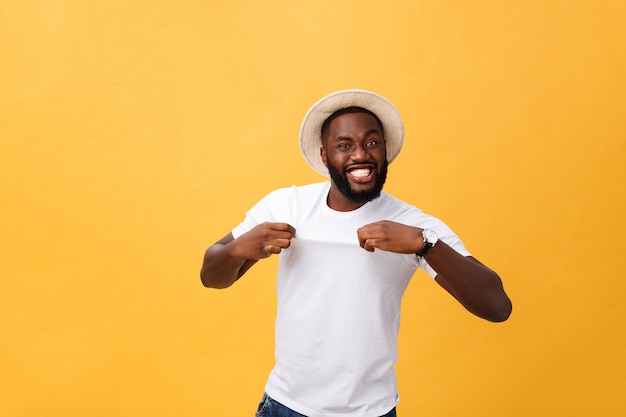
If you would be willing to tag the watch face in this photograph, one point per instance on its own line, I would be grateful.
(430, 236)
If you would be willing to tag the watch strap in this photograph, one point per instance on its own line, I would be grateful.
(425, 249)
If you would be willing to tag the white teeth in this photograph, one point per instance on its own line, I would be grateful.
(363, 172)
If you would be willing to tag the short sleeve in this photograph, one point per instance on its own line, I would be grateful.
(415, 217)
(274, 207)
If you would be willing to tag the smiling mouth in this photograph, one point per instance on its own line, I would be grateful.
(361, 174)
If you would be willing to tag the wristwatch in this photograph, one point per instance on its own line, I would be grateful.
(430, 240)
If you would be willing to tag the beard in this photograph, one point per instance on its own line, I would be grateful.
(340, 179)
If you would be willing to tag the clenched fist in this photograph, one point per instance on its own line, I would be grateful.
(390, 236)
(265, 239)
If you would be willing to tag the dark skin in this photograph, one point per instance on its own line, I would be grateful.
(354, 144)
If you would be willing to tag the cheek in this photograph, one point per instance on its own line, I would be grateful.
(336, 158)
(378, 155)
(381, 155)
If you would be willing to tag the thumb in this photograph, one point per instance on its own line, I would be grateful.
(369, 245)
(271, 249)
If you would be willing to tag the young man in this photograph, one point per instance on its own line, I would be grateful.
(348, 251)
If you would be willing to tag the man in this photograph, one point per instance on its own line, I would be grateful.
(348, 251)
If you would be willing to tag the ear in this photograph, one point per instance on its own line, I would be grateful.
(323, 155)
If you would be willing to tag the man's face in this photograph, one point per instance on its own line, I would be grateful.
(353, 149)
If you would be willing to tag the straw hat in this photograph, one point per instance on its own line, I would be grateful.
(311, 129)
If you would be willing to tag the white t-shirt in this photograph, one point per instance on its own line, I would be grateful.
(338, 304)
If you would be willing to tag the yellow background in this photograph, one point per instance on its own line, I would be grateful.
(133, 134)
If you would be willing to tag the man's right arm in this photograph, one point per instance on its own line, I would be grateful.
(229, 258)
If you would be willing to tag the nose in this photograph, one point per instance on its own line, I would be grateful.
(359, 153)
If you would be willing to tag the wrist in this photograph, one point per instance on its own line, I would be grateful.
(430, 239)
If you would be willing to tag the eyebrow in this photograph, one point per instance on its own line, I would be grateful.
(368, 133)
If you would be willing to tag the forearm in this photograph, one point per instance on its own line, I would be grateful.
(476, 287)
(227, 260)
(221, 268)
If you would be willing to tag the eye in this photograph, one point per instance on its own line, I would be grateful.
(343, 146)
(372, 143)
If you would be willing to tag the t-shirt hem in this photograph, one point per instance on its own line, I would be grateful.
(298, 408)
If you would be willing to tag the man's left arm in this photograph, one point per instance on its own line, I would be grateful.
(475, 286)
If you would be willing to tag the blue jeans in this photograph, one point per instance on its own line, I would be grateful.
(270, 408)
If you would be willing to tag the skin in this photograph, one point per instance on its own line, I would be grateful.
(355, 141)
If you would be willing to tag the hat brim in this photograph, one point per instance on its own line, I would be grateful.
(311, 128)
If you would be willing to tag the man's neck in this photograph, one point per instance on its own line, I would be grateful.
(338, 202)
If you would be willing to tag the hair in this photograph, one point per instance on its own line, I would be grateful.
(346, 110)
